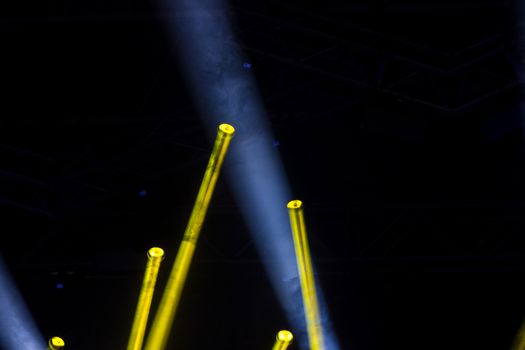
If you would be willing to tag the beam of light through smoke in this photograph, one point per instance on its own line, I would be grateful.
(224, 91)
(17, 328)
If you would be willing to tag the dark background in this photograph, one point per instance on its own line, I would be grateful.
(399, 126)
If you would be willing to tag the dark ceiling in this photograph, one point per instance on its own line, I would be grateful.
(399, 126)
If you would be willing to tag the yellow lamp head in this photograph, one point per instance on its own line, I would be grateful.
(227, 129)
(284, 336)
(295, 204)
(155, 252)
(56, 343)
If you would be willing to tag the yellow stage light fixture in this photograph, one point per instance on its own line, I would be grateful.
(283, 340)
(159, 333)
(519, 338)
(155, 256)
(306, 275)
(56, 343)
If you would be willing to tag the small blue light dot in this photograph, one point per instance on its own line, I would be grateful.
(246, 65)
(276, 143)
(59, 285)
(142, 193)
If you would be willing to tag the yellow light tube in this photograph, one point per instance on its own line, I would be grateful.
(161, 327)
(136, 337)
(56, 343)
(306, 276)
(519, 339)
(283, 340)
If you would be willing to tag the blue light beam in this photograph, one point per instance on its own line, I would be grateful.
(17, 328)
(224, 91)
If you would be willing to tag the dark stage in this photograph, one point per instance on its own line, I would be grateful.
(399, 125)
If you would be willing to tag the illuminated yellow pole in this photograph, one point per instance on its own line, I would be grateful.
(282, 340)
(155, 256)
(56, 343)
(306, 276)
(519, 339)
(158, 335)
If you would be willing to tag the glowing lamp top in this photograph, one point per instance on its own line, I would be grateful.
(155, 252)
(295, 204)
(227, 129)
(56, 343)
(284, 336)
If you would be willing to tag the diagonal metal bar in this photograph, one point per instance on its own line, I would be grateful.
(25, 207)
